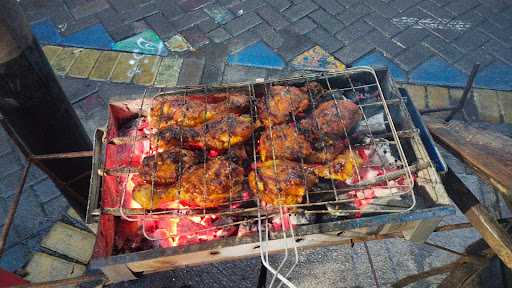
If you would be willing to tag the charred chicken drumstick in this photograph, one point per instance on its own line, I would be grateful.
(341, 168)
(192, 111)
(142, 194)
(281, 182)
(165, 167)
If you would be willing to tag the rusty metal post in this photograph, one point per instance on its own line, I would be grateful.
(35, 111)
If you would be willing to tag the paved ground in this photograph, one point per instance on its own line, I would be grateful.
(408, 33)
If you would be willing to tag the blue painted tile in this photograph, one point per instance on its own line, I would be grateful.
(257, 55)
(146, 42)
(46, 32)
(437, 71)
(377, 59)
(91, 37)
(495, 76)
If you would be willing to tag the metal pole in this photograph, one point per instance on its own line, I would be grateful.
(465, 94)
(35, 110)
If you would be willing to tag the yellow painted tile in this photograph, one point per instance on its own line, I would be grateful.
(418, 95)
(169, 71)
(506, 105)
(455, 95)
(104, 66)
(84, 63)
(438, 97)
(487, 103)
(125, 68)
(43, 268)
(64, 59)
(148, 68)
(51, 51)
(70, 241)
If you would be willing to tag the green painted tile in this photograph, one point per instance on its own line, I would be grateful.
(169, 71)
(104, 66)
(148, 67)
(125, 68)
(64, 59)
(51, 51)
(84, 63)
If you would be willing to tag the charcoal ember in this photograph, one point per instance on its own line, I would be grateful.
(247, 228)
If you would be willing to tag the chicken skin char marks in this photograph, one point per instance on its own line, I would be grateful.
(166, 167)
(332, 119)
(285, 100)
(210, 185)
(342, 168)
(192, 111)
(284, 184)
(142, 194)
(218, 134)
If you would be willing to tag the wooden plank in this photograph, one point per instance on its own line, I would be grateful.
(70, 241)
(489, 153)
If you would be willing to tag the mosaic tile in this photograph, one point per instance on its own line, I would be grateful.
(84, 63)
(220, 14)
(169, 71)
(51, 51)
(104, 65)
(126, 67)
(146, 42)
(437, 71)
(377, 59)
(317, 58)
(178, 44)
(91, 37)
(46, 32)
(257, 55)
(64, 60)
(146, 73)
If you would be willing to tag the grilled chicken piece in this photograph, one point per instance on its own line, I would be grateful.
(192, 111)
(211, 184)
(341, 168)
(142, 194)
(287, 142)
(283, 100)
(219, 133)
(167, 166)
(284, 184)
(334, 119)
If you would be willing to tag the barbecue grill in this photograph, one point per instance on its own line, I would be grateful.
(408, 199)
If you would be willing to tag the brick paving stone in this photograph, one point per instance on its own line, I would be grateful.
(280, 5)
(328, 22)
(219, 35)
(418, 95)
(228, 3)
(298, 11)
(220, 14)
(403, 5)
(192, 70)
(496, 32)
(104, 66)
(83, 8)
(169, 71)
(389, 47)
(30, 218)
(10, 162)
(383, 24)
(331, 6)
(447, 34)
(126, 30)
(161, 25)
(236, 74)
(413, 57)
(271, 37)
(487, 103)
(242, 23)
(325, 40)
(43, 268)
(195, 37)
(302, 26)
(505, 98)
(125, 5)
(434, 10)
(354, 50)
(14, 257)
(125, 68)
(499, 50)
(503, 19)
(215, 55)
(411, 37)
(146, 73)
(138, 13)
(272, 17)
(382, 8)
(190, 5)
(78, 25)
(355, 31)
(468, 60)
(245, 7)
(445, 49)
(76, 89)
(60, 17)
(354, 13)
(472, 17)
(79, 244)
(437, 97)
(243, 40)
(293, 45)
(471, 40)
(170, 9)
(460, 6)
(190, 19)
(51, 51)
(63, 60)
(110, 18)
(92, 104)
(207, 25)
(55, 207)
(84, 63)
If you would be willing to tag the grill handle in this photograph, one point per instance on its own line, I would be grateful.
(94, 188)
(425, 136)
